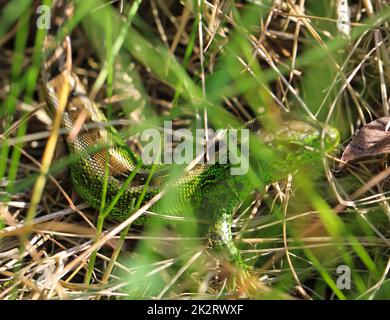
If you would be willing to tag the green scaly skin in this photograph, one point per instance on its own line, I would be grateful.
(209, 190)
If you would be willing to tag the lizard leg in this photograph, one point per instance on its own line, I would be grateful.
(220, 236)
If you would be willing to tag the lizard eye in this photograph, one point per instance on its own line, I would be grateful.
(332, 137)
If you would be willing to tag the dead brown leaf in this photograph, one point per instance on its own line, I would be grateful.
(373, 139)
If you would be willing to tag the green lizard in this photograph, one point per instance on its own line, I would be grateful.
(209, 190)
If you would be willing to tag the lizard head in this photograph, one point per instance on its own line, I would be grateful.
(297, 143)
